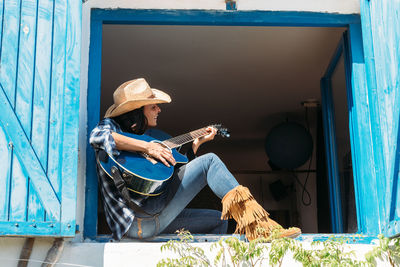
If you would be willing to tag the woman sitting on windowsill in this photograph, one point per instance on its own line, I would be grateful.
(135, 109)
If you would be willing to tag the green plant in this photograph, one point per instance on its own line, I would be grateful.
(387, 250)
(189, 255)
(279, 247)
(331, 252)
(240, 253)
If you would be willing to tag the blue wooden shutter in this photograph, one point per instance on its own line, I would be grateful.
(381, 38)
(39, 102)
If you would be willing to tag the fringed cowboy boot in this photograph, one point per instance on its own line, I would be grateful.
(250, 217)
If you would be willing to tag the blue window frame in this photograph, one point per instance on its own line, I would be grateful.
(197, 17)
(328, 107)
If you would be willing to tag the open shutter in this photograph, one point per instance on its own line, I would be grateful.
(39, 103)
(381, 38)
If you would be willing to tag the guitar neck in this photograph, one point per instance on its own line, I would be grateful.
(185, 138)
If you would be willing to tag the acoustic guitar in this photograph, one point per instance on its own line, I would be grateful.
(145, 175)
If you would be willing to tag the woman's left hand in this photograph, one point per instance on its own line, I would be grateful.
(198, 141)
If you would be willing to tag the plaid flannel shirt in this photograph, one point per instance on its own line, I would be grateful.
(118, 215)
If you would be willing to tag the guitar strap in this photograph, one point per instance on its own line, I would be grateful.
(120, 184)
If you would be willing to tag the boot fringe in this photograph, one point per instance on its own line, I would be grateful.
(237, 195)
(250, 217)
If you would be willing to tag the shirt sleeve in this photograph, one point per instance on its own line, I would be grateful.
(101, 138)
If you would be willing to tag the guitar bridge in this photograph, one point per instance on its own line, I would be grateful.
(149, 158)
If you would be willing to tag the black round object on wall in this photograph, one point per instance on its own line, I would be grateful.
(289, 145)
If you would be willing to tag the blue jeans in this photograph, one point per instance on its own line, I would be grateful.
(203, 170)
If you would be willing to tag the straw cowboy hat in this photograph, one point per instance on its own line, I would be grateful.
(135, 94)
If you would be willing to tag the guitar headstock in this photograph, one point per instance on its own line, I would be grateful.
(224, 132)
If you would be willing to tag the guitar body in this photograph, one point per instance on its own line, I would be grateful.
(143, 176)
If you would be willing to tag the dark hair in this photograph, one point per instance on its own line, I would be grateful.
(133, 121)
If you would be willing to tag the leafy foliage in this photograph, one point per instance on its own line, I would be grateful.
(189, 255)
(271, 251)
(331, 252)
(387, 250)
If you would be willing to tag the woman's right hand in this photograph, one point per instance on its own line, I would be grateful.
(155, 150)
(160, 153)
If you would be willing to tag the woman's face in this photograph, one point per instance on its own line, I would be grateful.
(151, 113)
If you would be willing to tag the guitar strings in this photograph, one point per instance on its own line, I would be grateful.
(185, 138)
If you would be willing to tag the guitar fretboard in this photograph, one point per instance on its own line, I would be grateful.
(185, 138)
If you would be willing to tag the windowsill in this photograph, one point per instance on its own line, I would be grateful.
(208, 238)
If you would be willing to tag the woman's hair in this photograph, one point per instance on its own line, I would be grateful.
(133, 121)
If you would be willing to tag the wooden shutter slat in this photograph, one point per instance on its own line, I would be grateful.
(5, 169)
(41, 97)
(35, 210)
(71, 115)
(19, 193)
(57, 95)
(24, 92)
(1, 22)
(26, 59)
(9, 49)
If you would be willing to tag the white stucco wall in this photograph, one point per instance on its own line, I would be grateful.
(122, 254)
(74, 254)
(338, 6)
